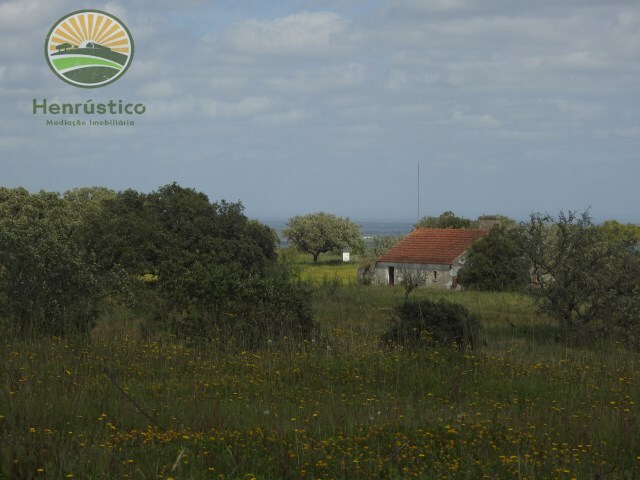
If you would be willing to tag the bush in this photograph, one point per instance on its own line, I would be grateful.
(265, 312)
(425, 323)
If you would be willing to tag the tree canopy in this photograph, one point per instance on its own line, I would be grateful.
(446, 219)
(48, 280)
(321, 232)
(217, 275)
(584, 275)
(497, 261)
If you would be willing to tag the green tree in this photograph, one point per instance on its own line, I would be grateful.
(498, 261)
(615, 230)
(218, 274)
(371, 251)
(446, 219)
(585, 277)
(125, 233)
(48, 282)
(318, 233)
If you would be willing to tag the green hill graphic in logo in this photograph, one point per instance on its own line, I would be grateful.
(89, 48)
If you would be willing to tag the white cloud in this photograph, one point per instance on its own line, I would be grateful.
(579, 60)
(486, 83)
(13, 143)
(281, 119)
(320, 78)
(519, 135)
(117, 9)
(366, 130)
(247, 107)
(631, 132)
(171, 108)
(162, 88)
(301, 33)
(471, 120)
(431, 5)
(17, 15)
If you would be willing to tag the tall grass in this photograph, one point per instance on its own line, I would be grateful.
(341, 406)
(329, 269)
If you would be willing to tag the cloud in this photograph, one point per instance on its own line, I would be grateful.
(471, 121)
(18, 15)
(281, 119)
(630, 132)
(117, 9)
(161, 88)
(261, 85)
(366, 130)
(302, 33)
(430, 5)
(246, 107)
(320, 78)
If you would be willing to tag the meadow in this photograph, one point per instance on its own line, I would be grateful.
(125, 405)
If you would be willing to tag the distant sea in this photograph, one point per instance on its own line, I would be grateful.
(368, 228)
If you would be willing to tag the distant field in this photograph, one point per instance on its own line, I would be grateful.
(521, 407)
(330, 267)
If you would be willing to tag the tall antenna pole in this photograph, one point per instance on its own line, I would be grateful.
(418, 191)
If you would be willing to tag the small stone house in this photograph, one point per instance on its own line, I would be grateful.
(433, 255)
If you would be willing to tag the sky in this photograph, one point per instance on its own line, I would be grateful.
(293, 107)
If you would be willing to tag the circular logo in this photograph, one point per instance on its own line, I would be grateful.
(89, 48)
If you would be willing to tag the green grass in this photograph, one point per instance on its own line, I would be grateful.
(330, 268)
(522, 406)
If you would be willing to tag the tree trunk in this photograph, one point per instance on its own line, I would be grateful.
(315, 257)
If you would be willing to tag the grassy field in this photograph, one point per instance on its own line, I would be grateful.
(329, 269)
(126, 406)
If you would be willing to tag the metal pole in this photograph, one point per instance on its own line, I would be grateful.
(418, 191)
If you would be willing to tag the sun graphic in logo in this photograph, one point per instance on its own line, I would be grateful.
(89, 48)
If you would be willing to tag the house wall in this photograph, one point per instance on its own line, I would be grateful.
(442, 278)
(439, 279)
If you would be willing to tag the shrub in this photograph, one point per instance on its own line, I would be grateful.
(263, 312)
(425, 323)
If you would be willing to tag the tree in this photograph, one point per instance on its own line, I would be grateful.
(48, 281)
(616, 230)
(446, 219)
(584, 276)
(218, 274)
(372, 250)
(411, 278)
(318, 233)
(63, 47)
(497, 261)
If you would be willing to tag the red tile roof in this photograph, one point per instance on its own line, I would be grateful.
(432, 245)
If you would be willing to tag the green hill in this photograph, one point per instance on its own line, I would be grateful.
(105, 53)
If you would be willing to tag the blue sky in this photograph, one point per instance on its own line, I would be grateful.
(294, 107)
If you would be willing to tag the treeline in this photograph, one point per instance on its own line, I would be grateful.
(203, 268)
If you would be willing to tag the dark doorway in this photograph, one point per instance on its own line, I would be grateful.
(392, 280)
